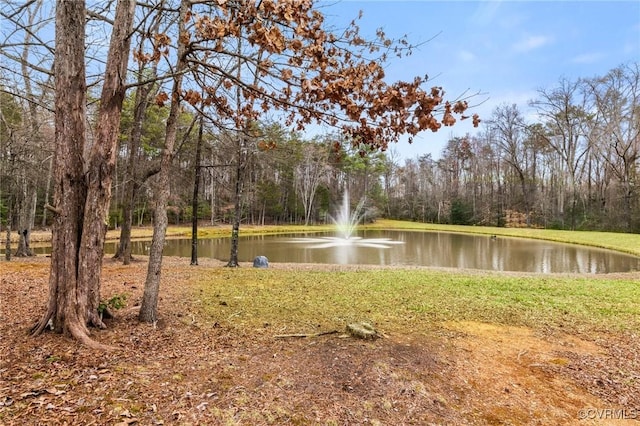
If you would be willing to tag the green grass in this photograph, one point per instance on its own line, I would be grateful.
(220, 231)
(278, 301)
(401, 301)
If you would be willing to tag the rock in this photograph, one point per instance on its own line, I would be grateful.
(362, 330)
(261, 262)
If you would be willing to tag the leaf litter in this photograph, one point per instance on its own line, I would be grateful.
(189, 369)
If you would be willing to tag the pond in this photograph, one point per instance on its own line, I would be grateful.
(405, 248)
(436, 249)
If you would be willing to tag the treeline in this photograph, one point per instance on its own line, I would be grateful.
(575, 167)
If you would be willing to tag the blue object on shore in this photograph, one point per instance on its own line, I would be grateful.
(261, 262)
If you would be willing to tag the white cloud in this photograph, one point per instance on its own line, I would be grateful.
(587, 58)
(531, 43)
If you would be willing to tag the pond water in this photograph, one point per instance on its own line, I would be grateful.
(437, 249)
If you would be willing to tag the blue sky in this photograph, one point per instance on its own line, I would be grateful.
(505, 49)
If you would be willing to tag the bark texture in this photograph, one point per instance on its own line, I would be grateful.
(81, 200)
(149, 306)
(67, 306)
(103, 158)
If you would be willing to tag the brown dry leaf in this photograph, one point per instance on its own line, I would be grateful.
(161, 98)
(176, 373)
(192, 97)
(162, 39)
(127, 422)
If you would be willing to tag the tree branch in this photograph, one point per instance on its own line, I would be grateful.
(322, 333)
(53, 209)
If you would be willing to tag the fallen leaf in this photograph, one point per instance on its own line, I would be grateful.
(127, 422)
(28, 394)
(54, 391)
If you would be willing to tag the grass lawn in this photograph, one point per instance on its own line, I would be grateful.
(387, 296)
(458, 347)
(401, 300)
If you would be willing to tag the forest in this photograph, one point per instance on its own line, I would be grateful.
(574, 167)
(577, 168)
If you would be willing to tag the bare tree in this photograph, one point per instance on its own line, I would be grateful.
(615, 129)
(564, 115)
(135, 175)
(149, 305)
(82, 195)
(196, 192)
(510, 131)
(22, 47)
(310, 172)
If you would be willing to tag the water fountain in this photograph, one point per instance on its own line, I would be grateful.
(346, 222)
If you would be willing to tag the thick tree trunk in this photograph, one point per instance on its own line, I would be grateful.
(102, 160)
(67, 306)
(81, 202)
(149, 306)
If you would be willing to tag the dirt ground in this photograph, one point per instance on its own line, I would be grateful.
(186, 371)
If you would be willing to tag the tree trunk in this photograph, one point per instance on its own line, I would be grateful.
(149, 306)
(102, 160)
(194, 201)
(7, 243)
(133, 175)
(131, 181)
(237, 213)
(26, 213)
(67, 306)
(124, 245)
(25, 222)
(240, 165)
(46, 192)
(81, 202)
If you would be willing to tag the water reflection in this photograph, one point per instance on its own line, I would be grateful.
(438, 249)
